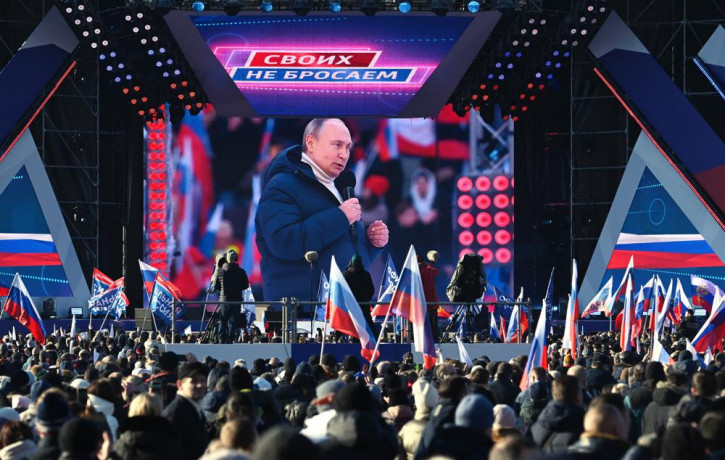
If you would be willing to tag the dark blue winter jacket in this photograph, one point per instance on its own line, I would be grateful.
(297, 214)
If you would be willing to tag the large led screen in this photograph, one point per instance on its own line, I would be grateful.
(332, 65)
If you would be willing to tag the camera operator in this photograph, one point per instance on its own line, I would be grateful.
(230, 280)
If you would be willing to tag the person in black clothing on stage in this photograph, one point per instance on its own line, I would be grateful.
(230, 282)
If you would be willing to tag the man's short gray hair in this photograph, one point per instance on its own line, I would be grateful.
(313, 129)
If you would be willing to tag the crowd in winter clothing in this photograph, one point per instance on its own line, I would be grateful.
(123, 397)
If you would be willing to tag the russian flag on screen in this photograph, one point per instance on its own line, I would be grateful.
(100, 283)
(409, 302)
(663, 251)
(27, 250)
(345, 315)
(712, 330)
(20, 306)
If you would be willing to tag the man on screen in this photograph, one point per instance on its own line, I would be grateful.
(301, 210)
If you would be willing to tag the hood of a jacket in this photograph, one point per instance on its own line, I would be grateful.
(286, 161)
(101, 405)
(355, 429)
(667, 395)
(560, 416)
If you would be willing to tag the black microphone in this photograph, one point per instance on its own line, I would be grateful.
(345, 183)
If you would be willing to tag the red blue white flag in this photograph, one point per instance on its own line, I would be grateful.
(163, 299)
(626, 337)
(100, 282)
(148, 274)
(409, 302)
(679, 305)
(712, 330)
(703, 292)
(571, 338)
(539, 346)
(20, 306)
(387, 288)
(345, 314)
(600, 301)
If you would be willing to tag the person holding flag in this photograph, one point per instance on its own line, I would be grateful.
(538, 356)
(571, 333)
(409, 302)
(345, 315)
(20, 306)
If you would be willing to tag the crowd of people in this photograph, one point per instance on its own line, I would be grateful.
(124, 397)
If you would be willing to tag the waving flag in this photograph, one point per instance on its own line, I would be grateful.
(463, 353)
(571, 339)
(503, 328)
(248, 309)
(162, 299)
(518, 315)
(703, 292)
(409, 302)
(681, 303)
(251, 258)
(494, 332)
(100, 283)
(539, 346)
(626, 338)
(120, 303)
(659, 353)
(387, 288)
(695, 356)
(657, 303)
(322, 292)
(644, 298)
(600, 301)
(20, 306)
(709, 358)
(661, 314)
(712, 330)
(345, 314)
(148, 274)
(100, 304)
(622, 285)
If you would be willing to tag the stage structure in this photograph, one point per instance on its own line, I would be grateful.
(711, 60)
(34, 238)
(668, 212)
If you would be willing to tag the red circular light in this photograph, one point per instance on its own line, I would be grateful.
(483, 219)
(483, 183)
(465, 220)
(486, 254)
(484, 238)
(512, 182)
(502, 237)
(503, 255)
(465, 201)
(464, 252)
(465, 238)
(502, 219)
(483, 201)
(465, 184)
(512, 201)
(500, 183)
(501, 201)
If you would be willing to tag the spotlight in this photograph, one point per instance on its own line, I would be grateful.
(198, 6)
(474, 6)
(335, 7)
(404, 7)
(301, 7)
(266, 6)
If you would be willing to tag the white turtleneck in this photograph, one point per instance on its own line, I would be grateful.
(322, 176)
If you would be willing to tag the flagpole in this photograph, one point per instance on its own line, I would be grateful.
(322, 349)
(104, 318)
(380, 336)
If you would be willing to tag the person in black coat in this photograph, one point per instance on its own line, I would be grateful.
(230, 281)
(147, 438)
(184, 412)
(665, 399)
(502, 386)
(451, 392)
(561, 421)
(688, 327)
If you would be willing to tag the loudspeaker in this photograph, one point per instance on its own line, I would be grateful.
(48, 309)
(144, 319)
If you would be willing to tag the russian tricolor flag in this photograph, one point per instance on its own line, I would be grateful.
(703, 292)
(712, 330)
(518, 315)
(493, 330)
(345, 315)
(409, 302)
(148, 274)
(681, 303)
(571, 338)
(539, 347)
(20, 306)
(600, 301)
(628, 317)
